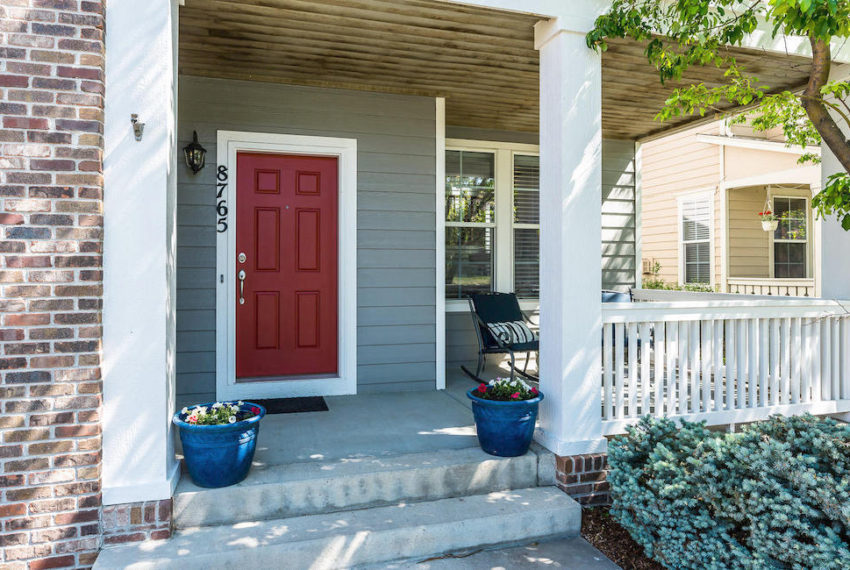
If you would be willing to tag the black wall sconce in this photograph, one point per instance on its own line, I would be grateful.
(196, 155)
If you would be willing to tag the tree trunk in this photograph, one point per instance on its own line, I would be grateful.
(817, 111)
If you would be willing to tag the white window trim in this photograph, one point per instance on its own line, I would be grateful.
(707, 195)
(503, 271)
(772, 195)
(345, 382)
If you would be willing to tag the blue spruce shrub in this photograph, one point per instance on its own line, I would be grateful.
(774, 495)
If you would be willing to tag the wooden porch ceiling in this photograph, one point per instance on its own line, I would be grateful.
(482, 61)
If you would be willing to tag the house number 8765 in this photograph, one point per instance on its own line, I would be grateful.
(221, 205)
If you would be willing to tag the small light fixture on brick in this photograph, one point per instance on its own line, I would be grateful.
(196, 155)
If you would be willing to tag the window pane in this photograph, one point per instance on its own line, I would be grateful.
(792, 218)
(697, 263)
(470, 186)
(526, 189)
(696, 217)
(469, 261)
(527, 263)
(789, 260)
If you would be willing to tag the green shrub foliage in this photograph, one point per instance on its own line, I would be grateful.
(774, 495)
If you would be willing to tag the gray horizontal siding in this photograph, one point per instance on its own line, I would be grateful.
(395, 217)
(618, 214)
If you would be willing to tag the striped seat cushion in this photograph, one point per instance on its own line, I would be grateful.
(514, 332)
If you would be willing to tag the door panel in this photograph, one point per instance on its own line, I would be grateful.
(286, 224)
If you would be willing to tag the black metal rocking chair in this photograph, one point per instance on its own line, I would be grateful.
(501, 328)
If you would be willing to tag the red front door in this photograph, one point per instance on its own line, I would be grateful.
(286, 245)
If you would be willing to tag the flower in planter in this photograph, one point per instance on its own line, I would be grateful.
(768, 216)
(219, 413)
(507, 390)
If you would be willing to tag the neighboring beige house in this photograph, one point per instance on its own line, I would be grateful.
(702, 192)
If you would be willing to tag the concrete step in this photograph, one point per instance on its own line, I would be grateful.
(282, 491)
(412, 531)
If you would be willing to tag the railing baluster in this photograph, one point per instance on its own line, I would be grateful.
(796, 359)
(845, 358)
(752, 362)
(672, 350)
(816, 362)
(607, 370)
(620, 377)
(683, 368)
(836, 358)
(717, 366)
(707, 337)
(695, 365)
(645, 361)
(825, 392)
(632, 385)
(775, 382)
(741, 377)
(808, 359)
(659, 368)
(764, 360)
(731, 363)
(787, 347)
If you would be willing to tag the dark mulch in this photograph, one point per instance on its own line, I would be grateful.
(601, 530)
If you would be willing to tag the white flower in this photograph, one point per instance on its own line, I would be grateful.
(241, 403)
(217, 405)
(234, 409)
(232, 419)
(184, 411)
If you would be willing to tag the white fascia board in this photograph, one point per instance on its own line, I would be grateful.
(575, 15)
(756, 144)
(810, 175)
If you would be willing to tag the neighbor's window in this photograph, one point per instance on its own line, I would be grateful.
(470, 222)
(526, 186)
(790, 240)
(696, 239)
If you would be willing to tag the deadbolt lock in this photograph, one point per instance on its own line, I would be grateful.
(243, 258)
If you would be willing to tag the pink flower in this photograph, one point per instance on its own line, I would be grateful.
(482, 387)
(255, 410)
(534, 391)
(193, 419)
(515, 395)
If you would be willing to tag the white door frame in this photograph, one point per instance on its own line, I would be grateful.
(345, 150)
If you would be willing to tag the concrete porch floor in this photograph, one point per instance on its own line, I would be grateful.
(375, 425)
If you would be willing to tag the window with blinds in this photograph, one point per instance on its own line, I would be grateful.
(696, 239)
(526, 190)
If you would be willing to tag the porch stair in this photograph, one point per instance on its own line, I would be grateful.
(296, 489)
(354, 512)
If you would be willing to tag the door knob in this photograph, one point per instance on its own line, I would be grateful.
(242, 287)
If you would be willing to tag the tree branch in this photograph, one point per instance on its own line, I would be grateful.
(816, 109)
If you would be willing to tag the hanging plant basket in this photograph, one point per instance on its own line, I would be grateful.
(769, 225)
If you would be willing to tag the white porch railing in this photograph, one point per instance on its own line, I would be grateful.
(779, 287)
(724, 361)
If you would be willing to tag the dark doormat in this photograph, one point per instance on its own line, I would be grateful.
(293, 405)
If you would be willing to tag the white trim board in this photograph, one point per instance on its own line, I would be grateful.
(440, 289)
(229, 143)
(756, 144)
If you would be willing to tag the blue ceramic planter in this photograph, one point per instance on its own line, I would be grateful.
(219, 456)
(505, 429)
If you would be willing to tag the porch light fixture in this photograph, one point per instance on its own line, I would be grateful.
(196, 155)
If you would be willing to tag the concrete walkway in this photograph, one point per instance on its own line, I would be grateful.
(572, 553)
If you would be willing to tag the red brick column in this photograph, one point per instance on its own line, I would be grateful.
(51, 188)
(583, 477)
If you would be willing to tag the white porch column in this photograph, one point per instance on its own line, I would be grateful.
(834, 242)
(570, 235)
(139, 252)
